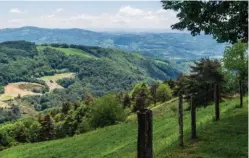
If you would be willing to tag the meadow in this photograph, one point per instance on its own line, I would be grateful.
(225, 138)
(51, 80)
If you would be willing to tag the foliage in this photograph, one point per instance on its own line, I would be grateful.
(200, 83)
(236, 59)
(106, 111)
(140, 96)
(66, 82)
(227, 21)
(88, 99)
(9, 114)
(230, 85)
(120, 140)
(163, 92)
(126, 101)
(47, 130)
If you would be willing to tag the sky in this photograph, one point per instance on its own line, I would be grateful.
(93, 15)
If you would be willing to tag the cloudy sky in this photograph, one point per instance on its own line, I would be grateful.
(88, 15)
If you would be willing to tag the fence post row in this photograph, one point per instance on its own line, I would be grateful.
(144, 143)
(180, 120)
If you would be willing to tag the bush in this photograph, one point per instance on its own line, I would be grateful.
(106, 111)
(66, 82)
(163, 93)
(5, 140)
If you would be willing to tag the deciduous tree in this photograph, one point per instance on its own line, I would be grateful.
(227, 21)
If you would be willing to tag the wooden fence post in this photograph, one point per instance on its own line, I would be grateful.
(144, 143)
(217, 98)
(193, 119)
(180, 121)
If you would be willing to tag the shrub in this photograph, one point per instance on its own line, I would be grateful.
(106, 111)
(163, 92)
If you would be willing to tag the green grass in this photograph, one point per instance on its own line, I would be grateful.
(68, 51)
(58, 76)
(225, 138)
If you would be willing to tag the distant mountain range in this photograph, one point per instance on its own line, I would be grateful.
(159, 45)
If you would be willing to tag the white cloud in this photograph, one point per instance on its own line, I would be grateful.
(126, 17)
(15, 10)
(59, 10)
(128, 10)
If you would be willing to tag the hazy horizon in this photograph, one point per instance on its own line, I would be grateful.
(117, 15)
(131, 30)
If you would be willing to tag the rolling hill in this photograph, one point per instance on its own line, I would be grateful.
(98, 70)
(158, 45)
(226, 138)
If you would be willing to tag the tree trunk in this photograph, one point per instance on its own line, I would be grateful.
(216, 100)
(180, 121)
(193, 119)
(241, 93)
(144, 143)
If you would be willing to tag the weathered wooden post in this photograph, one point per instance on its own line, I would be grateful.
(216, 100)
(144, 143)
(193, 119)
(180, 121)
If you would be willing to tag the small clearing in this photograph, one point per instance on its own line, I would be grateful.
(51, 80)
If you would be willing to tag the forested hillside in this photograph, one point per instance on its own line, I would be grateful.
(158, 45)
(98, 70)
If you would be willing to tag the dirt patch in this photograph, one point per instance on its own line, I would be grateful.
(30, 86)
(12, 90)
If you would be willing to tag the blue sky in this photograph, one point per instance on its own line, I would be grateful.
(87, 15)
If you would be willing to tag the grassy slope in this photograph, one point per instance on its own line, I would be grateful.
(68, 51)
(226, 138)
